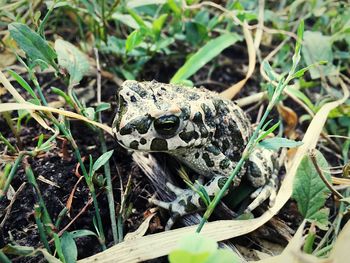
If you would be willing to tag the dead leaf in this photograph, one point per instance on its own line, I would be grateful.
(3, 91)
(27, 106)
(141, 231)
(291, 120)
(71, 195)
(19, 98)
(47, 181)
(7, 58)
(340, 251)
(234, 89)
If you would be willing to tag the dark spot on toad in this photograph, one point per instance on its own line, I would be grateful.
(138, 89)
(134, 145)
(225, 163)
(127, 129)
(158, 144)
(212, 149)
(188, 136)
(207, 160)
(142, 124)
(143, 141)
(185, 113)
(133, 98)
(197, 118)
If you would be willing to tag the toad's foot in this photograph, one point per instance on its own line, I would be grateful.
(268, 191)
(187, 201)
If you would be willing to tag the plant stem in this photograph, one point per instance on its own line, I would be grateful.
(109, 191)
(39, 199)
(310, 239)
(3, 192)
(4, 258)
(60, 217)
(7, 143)
(41, 230)
(107, 169)
(323, 251)
(46, 17)
(93, 194)
(58, 246)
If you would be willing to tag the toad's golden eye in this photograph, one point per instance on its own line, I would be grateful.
(167, 125)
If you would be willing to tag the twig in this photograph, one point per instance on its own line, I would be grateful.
(312, 155)
(9, 207)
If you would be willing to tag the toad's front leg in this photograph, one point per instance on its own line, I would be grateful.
(262, 170)
(207, 161)
(188, 200)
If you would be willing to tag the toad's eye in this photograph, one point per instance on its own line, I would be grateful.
(167, 125)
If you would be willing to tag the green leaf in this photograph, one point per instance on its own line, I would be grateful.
(40, 140)
(138, 3)
(195, 32)
(321, 218)
(209, 51)
(302, 71)
(275, 143)
(174, 7)
(318, 47)
(126, 20)
(157, 25)
(29, 251)
(63, 95)
(300, 35)
(269, 131)
(137, 18)
(204, 194)
(23, 83)
(268, 70)
(69, 248)
(102, 106)
(102, 160)
(302, 96)
(73, 60)
(224, 256)
(89, 112)
(58, 247)
(193, 248)
(17, 250)
(82, 233)
(37, 50)
(133, 40)
(309, 190)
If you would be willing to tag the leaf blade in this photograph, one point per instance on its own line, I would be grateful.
(206, 53)
(73, 60)
(36, 48)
